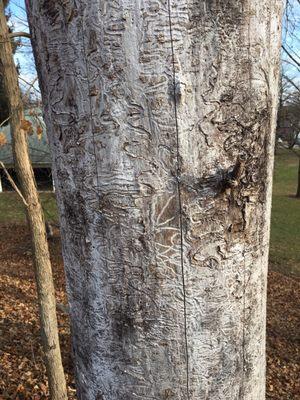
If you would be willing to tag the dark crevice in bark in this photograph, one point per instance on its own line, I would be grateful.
(176, 97)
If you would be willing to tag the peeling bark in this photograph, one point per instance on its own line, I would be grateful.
(161, 121)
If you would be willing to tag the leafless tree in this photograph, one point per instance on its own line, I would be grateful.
(28, 190)
(288, 126)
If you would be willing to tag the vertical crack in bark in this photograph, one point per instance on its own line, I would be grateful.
(242, 390)
(179, 198)
(90, 105)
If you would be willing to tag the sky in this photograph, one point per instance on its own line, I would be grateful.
(24, 57)
(291, 40)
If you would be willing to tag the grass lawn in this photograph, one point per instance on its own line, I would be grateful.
(12, 209)
(285, 227)
(285, 224)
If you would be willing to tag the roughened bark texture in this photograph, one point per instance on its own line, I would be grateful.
(161, 116)
(43, 273)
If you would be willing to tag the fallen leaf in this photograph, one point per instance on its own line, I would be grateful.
(39, 132)
(26, 126)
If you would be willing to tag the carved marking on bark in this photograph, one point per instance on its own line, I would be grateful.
(177, 95)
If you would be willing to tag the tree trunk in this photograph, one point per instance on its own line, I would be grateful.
(43, 273)
(161, 119)
(298, 183)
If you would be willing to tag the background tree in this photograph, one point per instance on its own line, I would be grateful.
(161, 118)
(43, 273)
(288, 122)
(4, 106)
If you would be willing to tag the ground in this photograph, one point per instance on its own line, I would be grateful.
(22, 374)
(285, 224)
(283, 328)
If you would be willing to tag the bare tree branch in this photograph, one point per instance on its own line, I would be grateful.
(31, 86)
(291, 82)
(292, 64)
(290, 55)
(12, 182)
(3, 122)
(20, 34)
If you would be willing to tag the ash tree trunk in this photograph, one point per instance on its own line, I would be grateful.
(161, 121)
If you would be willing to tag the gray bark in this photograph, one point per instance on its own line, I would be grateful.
(161, 120)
